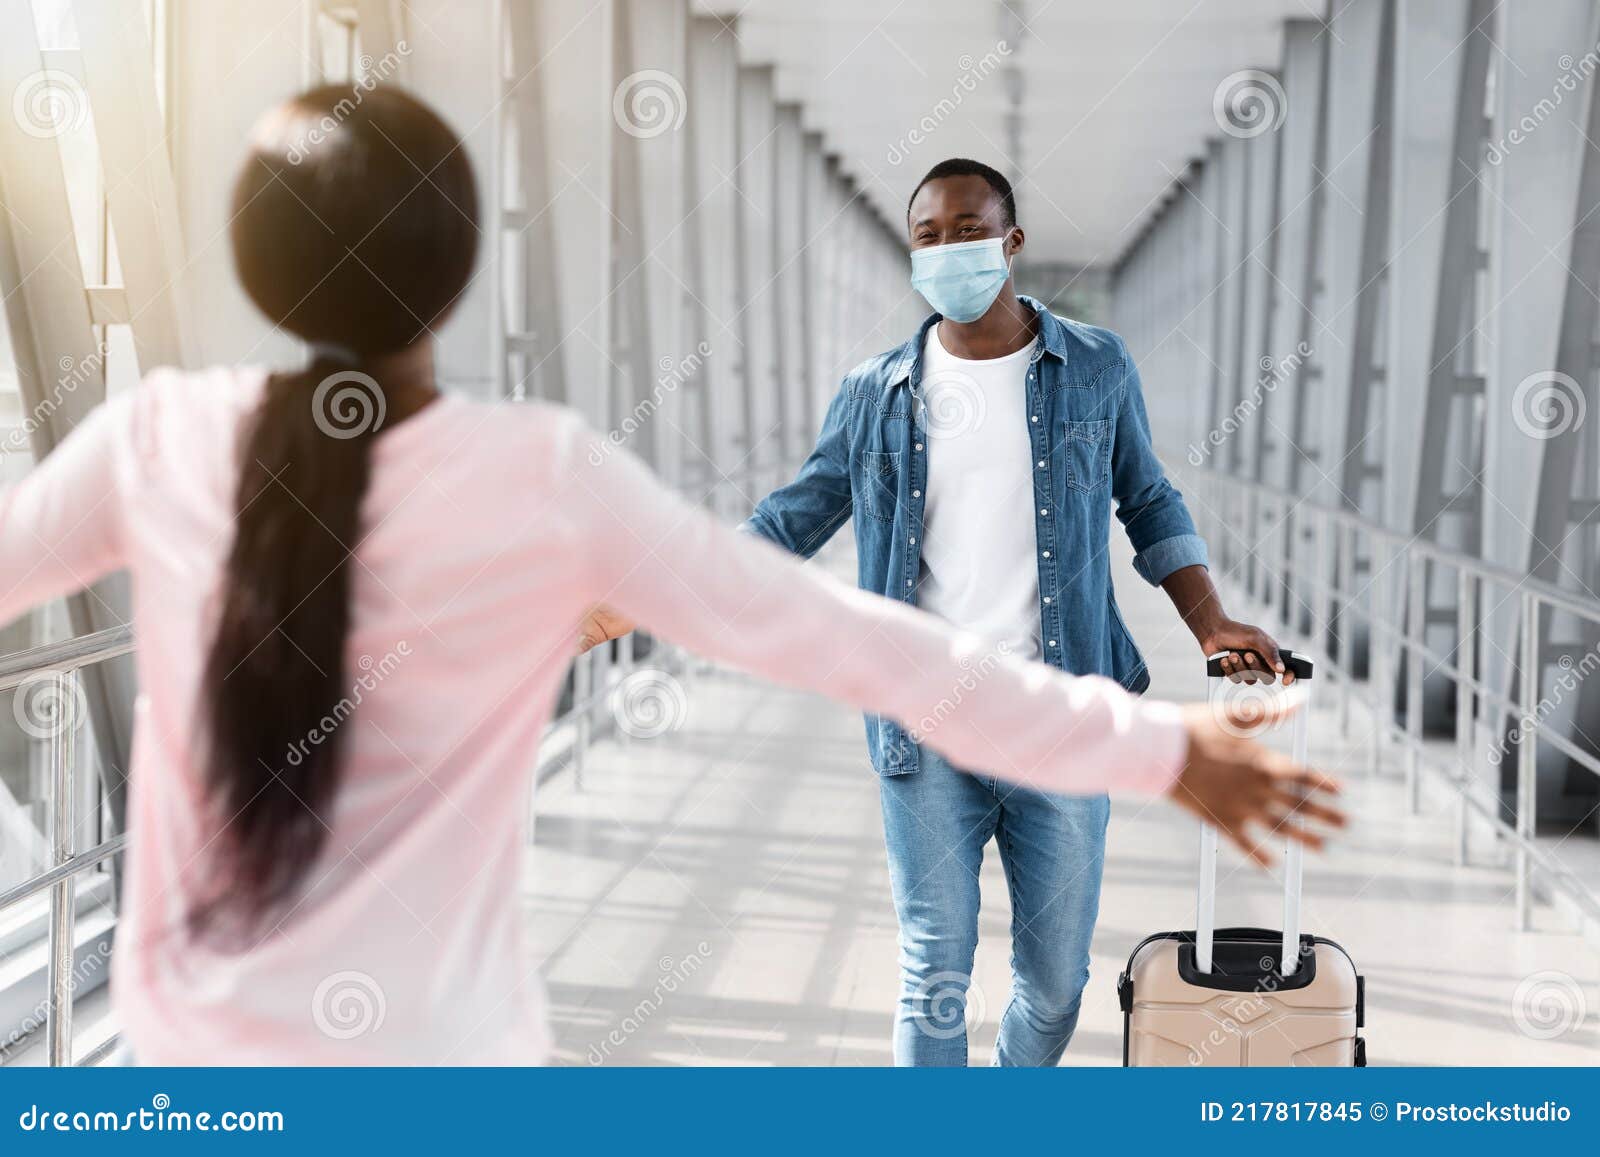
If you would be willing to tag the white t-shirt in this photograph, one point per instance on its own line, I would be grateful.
(979, 569)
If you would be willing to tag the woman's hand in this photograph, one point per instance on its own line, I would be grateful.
(1235, 784)
(601, 625)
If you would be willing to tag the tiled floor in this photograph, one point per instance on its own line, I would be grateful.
(719, 896)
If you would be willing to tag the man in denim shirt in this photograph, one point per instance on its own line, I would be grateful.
(979, 462)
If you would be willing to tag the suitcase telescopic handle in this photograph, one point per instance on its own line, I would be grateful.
(1293, 864)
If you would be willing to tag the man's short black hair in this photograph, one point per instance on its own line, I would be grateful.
(963, 167)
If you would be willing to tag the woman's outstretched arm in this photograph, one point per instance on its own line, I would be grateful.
(61, 524)
(670, 566)
(729, 596)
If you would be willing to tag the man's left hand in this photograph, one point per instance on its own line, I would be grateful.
(1247, 646)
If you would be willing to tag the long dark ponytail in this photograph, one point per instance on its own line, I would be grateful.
(354, 228)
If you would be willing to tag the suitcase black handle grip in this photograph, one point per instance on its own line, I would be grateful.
(1293, 662)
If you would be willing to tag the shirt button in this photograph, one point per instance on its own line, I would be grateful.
(916, 494)
(908, 582)
(913, 542)
(1041, 463)
(1043, 510)
(918, 446)
(1035, 418)
(1046, 600)
(1047, 554)
(1052, 642)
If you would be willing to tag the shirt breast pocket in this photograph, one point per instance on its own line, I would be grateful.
(880, 484)
(1088, 446)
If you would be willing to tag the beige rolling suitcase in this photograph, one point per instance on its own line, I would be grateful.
(1243, 997)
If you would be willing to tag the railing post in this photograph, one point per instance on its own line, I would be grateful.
(1416, 588)
(1235, 518)
(1347, 623)
(1219, 520)
(1322, 590)
(583, 732)
(1378, 636)
(63, 894)
(1253, 508)
(1466, 698)
(1527, 759)
(1285, 597)
(625, 661)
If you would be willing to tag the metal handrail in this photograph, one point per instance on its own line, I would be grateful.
(1542, 592)
(1549, 593)
(79, 863)
(60, 663)
(1399, 631)
(19, 667)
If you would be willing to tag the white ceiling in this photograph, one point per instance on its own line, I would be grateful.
(1116, 94)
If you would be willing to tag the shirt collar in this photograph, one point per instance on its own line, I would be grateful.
(1052, 339)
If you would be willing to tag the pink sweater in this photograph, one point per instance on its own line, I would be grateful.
(490, 530)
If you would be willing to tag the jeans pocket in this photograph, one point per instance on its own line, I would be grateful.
(1088, 446)
(880, 484)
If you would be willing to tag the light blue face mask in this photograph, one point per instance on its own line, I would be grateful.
(962, 280)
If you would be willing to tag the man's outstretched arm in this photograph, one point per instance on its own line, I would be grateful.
(802, 516)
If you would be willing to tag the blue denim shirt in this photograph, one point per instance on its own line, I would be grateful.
(1089, 432)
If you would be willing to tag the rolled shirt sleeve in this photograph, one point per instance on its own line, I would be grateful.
(1160, 559)
(1151, 510)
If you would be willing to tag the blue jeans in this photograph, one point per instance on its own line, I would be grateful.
(936, 822)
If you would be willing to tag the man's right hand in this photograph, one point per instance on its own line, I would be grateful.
(1235, 784)
(601, 625)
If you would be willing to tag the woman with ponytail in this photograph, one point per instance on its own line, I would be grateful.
(356, 599)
